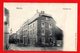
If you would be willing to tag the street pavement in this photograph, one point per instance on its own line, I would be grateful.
(32, 48)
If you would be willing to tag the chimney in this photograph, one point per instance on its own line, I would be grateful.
(37, 11)
(42, 12)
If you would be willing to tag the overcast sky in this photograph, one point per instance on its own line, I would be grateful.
(19, 13)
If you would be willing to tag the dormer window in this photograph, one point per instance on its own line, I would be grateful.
(50, 29)
(43, 23)
(43, 40)
(4, 18)
(50, 25)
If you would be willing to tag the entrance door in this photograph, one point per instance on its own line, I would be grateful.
(52, 41)
(25, 41)
(32, 41)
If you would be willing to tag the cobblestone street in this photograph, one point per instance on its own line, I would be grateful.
(31, 48)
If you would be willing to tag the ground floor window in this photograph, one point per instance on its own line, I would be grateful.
(43, 40)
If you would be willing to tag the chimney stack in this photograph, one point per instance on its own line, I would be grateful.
(42, 12)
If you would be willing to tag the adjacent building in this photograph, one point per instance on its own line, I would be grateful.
(6, 29)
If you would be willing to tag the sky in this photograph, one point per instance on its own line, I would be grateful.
(65, 15)
(19, 13)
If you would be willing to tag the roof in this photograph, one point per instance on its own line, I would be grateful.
(34, 18)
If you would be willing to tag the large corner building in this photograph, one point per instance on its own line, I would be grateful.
(40, 30)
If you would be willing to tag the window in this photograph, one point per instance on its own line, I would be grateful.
(42, 24)
(4, 18)
(51, 39)
(43, 27)
(59, 42)
(43, 40)
(30, 33)
(26, 32)
(43, 32)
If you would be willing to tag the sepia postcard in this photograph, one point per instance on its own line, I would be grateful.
(40, 26)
